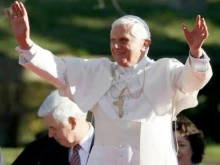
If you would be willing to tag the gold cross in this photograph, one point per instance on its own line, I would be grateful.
(120, 103)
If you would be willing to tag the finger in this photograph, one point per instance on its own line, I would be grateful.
(206, 32)
(203, 24)
(9, 15)
(198, 22)
(202, 28)
(23, 10)
(185, 30)
(18, 9)
(14, 10)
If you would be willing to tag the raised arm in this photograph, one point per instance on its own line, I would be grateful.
(197, 71)
(38, 60)
(20, 25)
(197, 36)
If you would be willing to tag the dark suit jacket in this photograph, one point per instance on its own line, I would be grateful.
(43, 151)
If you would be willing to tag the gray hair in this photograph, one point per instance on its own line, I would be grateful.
(60, 107)
(139, 28)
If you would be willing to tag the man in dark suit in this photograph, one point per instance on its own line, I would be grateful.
(44, 151)
(67, 128)
(41, 150)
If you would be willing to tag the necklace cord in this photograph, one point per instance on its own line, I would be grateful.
(126, 87)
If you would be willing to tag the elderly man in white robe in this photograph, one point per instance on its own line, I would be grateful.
(134, 99)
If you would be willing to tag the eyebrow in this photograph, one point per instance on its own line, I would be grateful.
(121, 38)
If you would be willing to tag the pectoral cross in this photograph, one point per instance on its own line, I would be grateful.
(120, 102)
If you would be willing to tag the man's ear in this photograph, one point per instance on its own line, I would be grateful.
(72, 122)
(146, 44)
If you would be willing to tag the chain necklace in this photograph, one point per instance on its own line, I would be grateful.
(120, 101)
(126, 87)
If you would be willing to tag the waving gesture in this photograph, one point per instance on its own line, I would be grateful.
(20, 24)
(197, 36)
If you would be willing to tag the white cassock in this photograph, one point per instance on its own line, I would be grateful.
(154, 93)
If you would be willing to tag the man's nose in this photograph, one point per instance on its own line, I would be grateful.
(116, 45)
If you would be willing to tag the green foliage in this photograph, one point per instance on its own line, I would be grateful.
(212, 155)
(10, 154)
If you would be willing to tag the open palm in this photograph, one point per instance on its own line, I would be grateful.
(19, 22)
(198, 35)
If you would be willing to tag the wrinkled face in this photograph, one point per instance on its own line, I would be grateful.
(185, 151)
(62, 133)
(125, 48)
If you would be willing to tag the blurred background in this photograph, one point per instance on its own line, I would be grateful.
(81, 28)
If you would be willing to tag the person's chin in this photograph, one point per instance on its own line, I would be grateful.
(123, 63)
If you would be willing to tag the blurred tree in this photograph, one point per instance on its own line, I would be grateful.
(101, 5)
(188, 5)
(10, 94)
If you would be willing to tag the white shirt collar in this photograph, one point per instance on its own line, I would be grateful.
(87, 140)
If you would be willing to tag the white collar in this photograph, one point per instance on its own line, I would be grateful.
(87, 140)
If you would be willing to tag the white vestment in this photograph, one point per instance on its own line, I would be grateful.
(143, 136)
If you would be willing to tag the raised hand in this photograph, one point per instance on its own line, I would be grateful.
(20, 24)
(197, 36)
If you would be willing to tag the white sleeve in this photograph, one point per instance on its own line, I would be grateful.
(200, 64)
(29, 53)
(45, 64)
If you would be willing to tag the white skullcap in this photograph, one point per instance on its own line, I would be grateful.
(139, 27)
